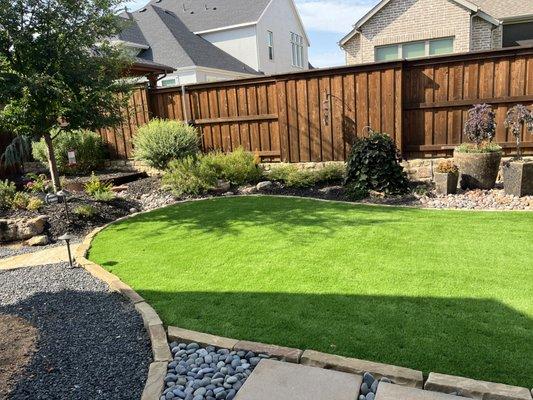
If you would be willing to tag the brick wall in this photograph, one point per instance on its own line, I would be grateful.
(403, 21)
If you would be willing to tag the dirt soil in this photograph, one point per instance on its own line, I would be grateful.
(18, 342)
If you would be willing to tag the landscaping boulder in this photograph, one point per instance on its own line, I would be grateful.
(21, 228)
(41, 240)
(264, 185)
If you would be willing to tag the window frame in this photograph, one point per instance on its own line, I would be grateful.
(297, 50)
(427, 46)
(270, 45)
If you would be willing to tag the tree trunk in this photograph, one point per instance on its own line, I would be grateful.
(52, 164)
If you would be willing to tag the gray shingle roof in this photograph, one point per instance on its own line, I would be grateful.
(502, 9)
(172, 43)
(132, 33)
(202, 15)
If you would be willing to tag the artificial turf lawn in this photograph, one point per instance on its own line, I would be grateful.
(441, 291)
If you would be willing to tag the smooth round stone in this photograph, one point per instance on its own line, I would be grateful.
(193, 345)
(198, 398)
(220, 364)
(250, 354)
(237, 385)
(232, 379)
(218, 375)
(231, 394)
(169, 396)
(217, 381)
(182, 345)
(368, 378)
(227, 385)
(224, 370)
(210, 349)
(208, 358)
(202, 352)
(218, 390)
(365, 389)
(171, 378)
(223, 351)
(254, 361)
(374, 387)
(370, 396)
(179, 393)
(362, 397)
(221, 395)
(245, 366)
(171, 384)
(200, 391)
(181, 353)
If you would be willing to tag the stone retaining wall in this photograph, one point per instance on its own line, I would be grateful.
(154, 386)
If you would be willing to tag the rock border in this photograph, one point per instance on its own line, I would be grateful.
(162, 356)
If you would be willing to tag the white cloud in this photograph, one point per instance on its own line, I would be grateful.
(336, 16)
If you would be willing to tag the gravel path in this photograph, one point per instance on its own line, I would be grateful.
(92, 344)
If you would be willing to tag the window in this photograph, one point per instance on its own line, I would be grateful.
(270, 44)
(441, 46)
(520, 34)
(297, 44)
(168, 82)
(433, 47)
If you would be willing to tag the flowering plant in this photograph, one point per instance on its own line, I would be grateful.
(517, 117)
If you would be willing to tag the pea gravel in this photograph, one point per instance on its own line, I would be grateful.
(92, 344)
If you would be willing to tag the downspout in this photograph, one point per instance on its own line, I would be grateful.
(184, 104)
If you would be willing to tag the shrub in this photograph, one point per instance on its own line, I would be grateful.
(280, 173)
(447, 167)
(8, 191)
(161, 141)
(37, 183)
(189, 176)
(20, 201)
(238, 167)
(374, 164)
(99, 190)
(331, 173)
(89, 148)
(517, 117)
(480, 128)
(34, 204)
(85, 211)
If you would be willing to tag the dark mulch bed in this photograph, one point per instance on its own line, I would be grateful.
(77, 225)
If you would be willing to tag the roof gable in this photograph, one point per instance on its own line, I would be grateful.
(172, 43)
(206, 15)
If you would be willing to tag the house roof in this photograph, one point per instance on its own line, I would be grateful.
(505, 9)
(493, 11)
(172, 43)
(132, 33)
(200, 16)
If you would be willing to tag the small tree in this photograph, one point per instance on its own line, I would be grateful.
(480, 126)
(58, 68)
(518, 117)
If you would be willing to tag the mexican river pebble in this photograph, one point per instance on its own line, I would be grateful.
(369, 387)
(207, 373)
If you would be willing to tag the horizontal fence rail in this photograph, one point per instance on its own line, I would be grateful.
(316, 115)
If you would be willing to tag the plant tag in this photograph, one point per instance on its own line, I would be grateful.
(71, 157)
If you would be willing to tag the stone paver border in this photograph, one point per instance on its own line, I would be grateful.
(162, 355)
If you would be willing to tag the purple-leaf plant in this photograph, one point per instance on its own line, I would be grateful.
(517, 117)
(481, 124)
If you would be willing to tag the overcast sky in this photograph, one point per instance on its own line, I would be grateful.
(326, 22)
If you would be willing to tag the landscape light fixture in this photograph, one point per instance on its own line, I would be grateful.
(67, 238)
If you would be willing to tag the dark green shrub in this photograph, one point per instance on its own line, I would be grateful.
(89, 148)
(238, 167)
(161, 141)
(374, 164)
(189, 176)
(331, 173)
(292, 176)
(85, 211)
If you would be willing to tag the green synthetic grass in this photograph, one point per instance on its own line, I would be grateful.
(442, 291)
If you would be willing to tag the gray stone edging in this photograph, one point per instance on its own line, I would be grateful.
(162, 355)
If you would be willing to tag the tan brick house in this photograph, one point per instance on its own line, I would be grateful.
(396, 29)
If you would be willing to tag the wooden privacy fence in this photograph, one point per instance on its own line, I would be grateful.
(316, 115)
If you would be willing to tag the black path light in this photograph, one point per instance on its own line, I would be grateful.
(67, 238)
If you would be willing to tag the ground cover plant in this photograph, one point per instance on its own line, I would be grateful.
(442, 291)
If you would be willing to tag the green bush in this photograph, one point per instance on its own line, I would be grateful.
(374, 164)
(238, 167)
(291, 176)
(89, 148)
(85, 211)
(34, 204)
(190, 176)
(8, 190)
(37, 183)
(161, 141)
(20, 201)
(331, 173)
(99, 190)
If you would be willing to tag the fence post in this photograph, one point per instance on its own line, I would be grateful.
(399, 106)
(283, 124)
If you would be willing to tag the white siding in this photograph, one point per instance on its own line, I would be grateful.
(280, 18)
(241, 43)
